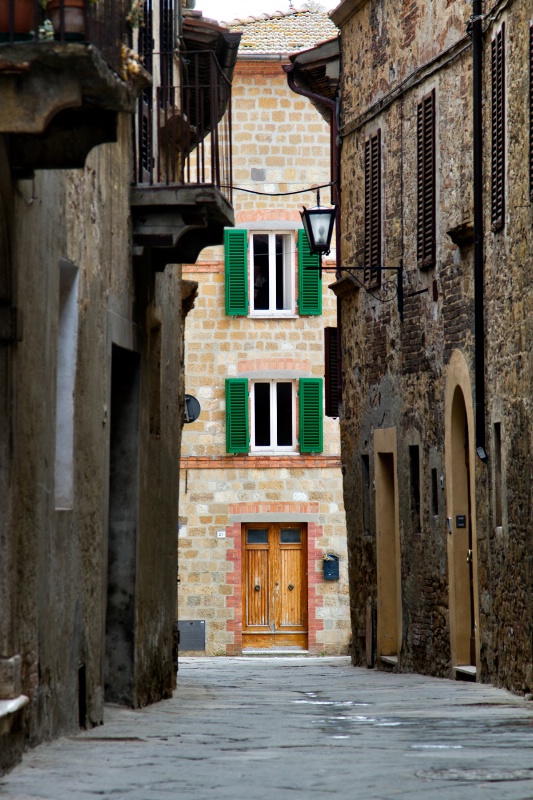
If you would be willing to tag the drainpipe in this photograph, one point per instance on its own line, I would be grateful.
(336, 197)
(479, 310)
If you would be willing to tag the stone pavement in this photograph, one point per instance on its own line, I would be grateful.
(283, 728)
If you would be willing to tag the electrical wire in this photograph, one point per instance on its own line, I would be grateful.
(280, 194)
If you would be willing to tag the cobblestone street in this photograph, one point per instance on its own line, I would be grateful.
(285, 727)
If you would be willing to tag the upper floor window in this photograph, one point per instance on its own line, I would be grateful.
(272, 276)
(426, 233)
(265, 418)
(498, 129)
(373, 209)
(259, 274)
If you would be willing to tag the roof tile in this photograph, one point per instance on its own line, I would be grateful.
(284, 31)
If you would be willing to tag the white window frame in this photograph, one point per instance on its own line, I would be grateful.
(273, 417)
(288, 270)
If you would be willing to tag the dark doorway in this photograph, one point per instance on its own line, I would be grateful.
(122, 531)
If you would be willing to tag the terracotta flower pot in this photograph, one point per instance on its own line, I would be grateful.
(74, 17)
(24, 19)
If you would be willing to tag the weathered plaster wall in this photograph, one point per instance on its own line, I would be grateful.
(59, 584)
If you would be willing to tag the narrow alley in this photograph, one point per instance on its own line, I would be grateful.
(294, 727)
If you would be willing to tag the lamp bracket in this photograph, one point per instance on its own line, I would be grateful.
(396, 288)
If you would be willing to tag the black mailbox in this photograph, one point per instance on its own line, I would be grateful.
(331, 567)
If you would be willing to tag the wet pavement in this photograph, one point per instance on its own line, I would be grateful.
(283, 728)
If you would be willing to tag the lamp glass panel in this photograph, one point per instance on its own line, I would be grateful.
(320, 223)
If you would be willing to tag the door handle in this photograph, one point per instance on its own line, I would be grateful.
(290, 587)
(257, 587)
(469, 557)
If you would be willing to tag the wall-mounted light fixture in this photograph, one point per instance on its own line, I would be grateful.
(318, 225)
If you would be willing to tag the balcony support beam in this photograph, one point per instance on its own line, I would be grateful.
(176, 223)
(59, 100)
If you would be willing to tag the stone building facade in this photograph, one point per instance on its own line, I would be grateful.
(269, 502)
(437, 419)
(91, 377)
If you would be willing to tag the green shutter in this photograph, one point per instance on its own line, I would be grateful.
(311, 415)
(237, 435)
(309, 279)
(236, 271)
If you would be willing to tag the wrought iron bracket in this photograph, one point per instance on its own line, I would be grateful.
(386, 285)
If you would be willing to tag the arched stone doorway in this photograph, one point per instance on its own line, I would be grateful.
(461, 520)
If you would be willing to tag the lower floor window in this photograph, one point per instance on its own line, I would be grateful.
(262, 415)
(273, 415)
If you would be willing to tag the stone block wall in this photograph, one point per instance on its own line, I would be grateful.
(281, 144)
(397, 372)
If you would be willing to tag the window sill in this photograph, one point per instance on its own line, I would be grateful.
(274, 453)
(270, 315)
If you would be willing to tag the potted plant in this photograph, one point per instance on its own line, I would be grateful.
(73, 16)
(24, 19)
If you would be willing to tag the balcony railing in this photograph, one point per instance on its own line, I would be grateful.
(103, 24)
(184, 131)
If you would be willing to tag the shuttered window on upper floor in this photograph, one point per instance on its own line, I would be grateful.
(498, 129)
(331, 372)
(531, 112)
(309, 279)
(372, 275)
(426, 221)
(272, 272)
(236, 271)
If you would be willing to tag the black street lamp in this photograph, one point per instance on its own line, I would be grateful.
(318, 225)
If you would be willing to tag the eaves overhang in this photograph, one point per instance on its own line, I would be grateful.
(317, 70)
(345, 10)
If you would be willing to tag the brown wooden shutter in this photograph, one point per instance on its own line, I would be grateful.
(426, 182)
(373, 209)
(331, 374)
(166, 45)
(145, 155)
(498, 129)
(531, 112)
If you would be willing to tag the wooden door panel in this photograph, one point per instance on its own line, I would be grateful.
(290, 580)
(257, 587)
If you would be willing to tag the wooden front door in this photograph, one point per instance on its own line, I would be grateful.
(274, 586)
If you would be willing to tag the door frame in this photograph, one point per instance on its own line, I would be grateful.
(257, 637)
(459, 420)
(388, 550)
